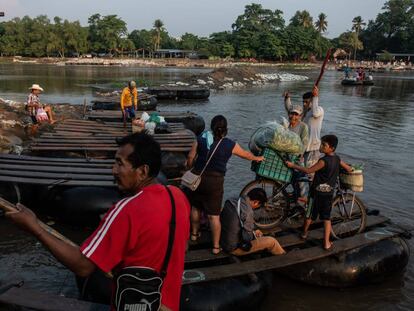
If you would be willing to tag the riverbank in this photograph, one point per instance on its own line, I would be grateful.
(17, 129)
(155, 62)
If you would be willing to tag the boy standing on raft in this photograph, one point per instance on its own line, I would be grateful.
(326, 174)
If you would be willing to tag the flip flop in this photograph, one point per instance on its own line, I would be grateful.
(195, 236)
(329, 248)
(216, 250)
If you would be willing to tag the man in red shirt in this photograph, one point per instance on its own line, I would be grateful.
(135, 230)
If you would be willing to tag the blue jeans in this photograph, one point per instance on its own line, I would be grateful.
(129, 112)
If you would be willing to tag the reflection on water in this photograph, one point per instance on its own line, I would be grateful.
(374, 125)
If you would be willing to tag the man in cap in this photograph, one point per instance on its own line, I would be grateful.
(38, 112)
(313, 116)
(129, 101)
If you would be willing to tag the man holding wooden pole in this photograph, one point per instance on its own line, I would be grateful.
(135, 232)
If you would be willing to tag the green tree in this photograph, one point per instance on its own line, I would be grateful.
(357, 25)
(158, 27)
(189, 41)
(302, 18)
(321, 24)
(106, 33)
(255, 24)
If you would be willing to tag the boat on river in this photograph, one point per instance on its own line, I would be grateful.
(179, 92)
(355, 82)
(219, 282)
(146, 103)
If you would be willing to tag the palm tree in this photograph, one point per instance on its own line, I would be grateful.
(158, 26)
(357, 24)
(302, 18)
(321, 24)
(305, 19)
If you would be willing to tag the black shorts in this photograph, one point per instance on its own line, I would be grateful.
(322, 206)
(209, 195)
(34, 120)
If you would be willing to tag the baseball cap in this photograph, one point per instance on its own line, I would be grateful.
(298, 109)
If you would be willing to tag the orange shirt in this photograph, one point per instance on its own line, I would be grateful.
(128, 97)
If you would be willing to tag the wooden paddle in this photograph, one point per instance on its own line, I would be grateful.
(10, 207)
(328, 54)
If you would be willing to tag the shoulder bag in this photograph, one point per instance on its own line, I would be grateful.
(191, 180)
(245, 242)
(139, 288)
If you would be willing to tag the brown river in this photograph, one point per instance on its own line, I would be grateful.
(374, 125)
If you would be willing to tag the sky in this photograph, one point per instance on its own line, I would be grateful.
(200, 17)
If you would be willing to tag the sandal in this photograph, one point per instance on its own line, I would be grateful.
(329, 248)
(195, 236)
(216, 250)
(303, 236)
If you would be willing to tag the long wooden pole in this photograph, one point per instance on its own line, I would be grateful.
(328, 54)
(10, 207)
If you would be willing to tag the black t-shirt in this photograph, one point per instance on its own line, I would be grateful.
(329, 173)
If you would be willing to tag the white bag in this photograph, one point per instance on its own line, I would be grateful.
(191, 180)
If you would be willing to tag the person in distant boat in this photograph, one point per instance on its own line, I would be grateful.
(322, 189)
(208, 197)
(135, 232)
(38, 113)
(239, 234)
(129, 101)
(347, 72)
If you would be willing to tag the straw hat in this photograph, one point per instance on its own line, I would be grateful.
(36, 87)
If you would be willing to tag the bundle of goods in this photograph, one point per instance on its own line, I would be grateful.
(152, 123)
(277, 137)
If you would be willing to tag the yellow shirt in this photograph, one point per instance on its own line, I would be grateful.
(126, 97)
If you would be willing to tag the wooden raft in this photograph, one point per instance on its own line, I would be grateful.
(85, 136)
(56, 171)
(111, 115)
(296, 256)
(286, 241)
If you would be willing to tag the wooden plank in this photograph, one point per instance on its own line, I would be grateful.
(57, 169)
(203, 255)
(36, 174)
(49, 159)
(108, 149)
(60, 182)
(28, 164)
(29, 298)
(216, 273)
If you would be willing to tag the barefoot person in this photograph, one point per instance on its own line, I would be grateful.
(326, 174)
(38, 112)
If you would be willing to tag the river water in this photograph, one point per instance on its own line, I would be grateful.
(374, 125)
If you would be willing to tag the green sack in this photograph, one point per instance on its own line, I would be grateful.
(154, 117)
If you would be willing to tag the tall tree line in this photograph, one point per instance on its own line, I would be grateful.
(257, 33)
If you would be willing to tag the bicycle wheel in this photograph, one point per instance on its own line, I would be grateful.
(275, 211)
(348, 215)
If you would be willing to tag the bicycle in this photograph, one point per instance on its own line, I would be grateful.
(348, 213)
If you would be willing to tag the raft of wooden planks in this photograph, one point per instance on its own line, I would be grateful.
(100, 137)
(208, 270)
(21, 169)
(33, 299)
(116, 115)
